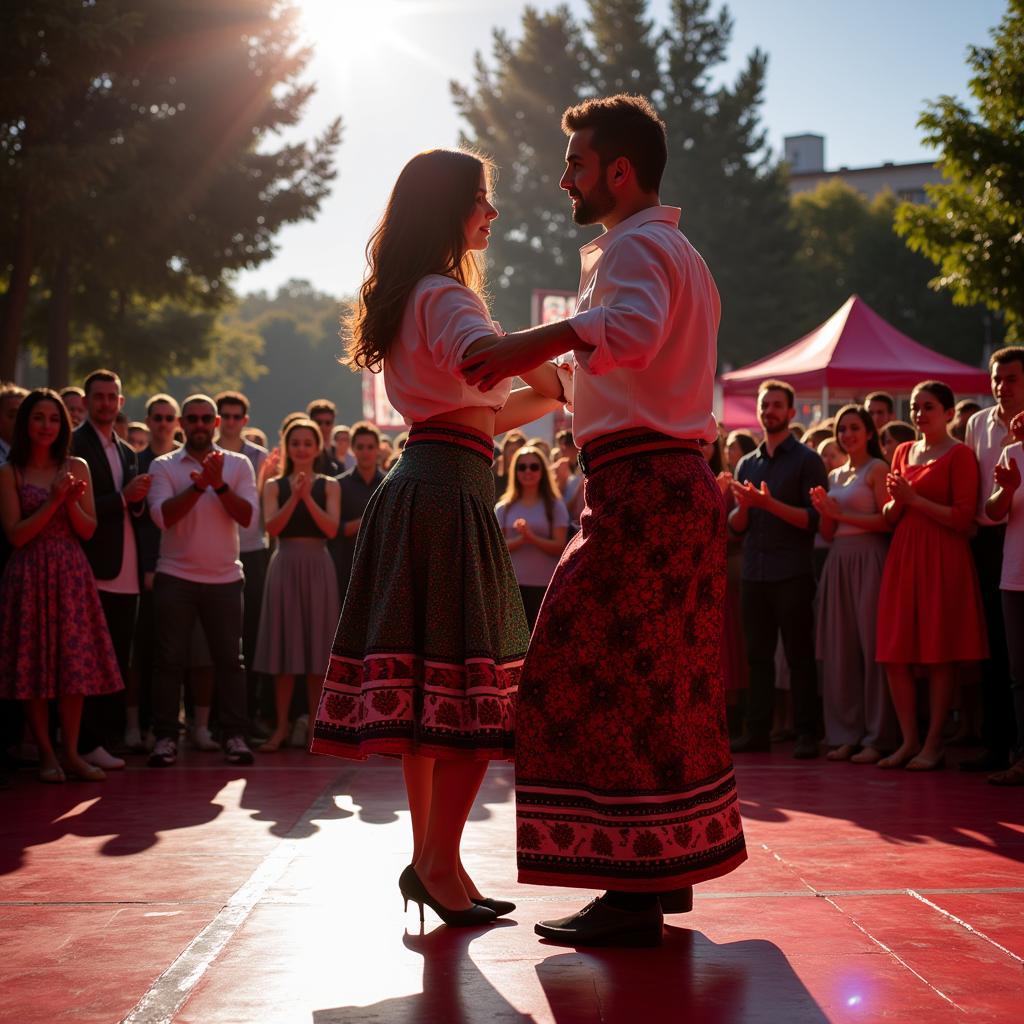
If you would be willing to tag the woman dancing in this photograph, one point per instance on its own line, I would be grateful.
(426, 660)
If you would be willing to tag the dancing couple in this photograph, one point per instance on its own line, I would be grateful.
(614, 712)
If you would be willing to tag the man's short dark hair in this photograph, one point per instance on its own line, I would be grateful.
(898, 430)
(1010, 354)
(881, 396)
(626, 126)
(223, 398)
(321, 405)
(107, 376)
(367, 428)
(779, 385)
(70, 390)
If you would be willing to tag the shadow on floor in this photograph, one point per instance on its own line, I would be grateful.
(688, 978)
(455, 988)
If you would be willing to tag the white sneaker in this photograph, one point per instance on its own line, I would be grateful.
(203, 740)
(237, 751)
(103, 759)
(300, 732)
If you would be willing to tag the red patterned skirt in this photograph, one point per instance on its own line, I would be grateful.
(432, 634)
(624, 778)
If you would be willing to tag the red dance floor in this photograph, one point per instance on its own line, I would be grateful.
(208, 894)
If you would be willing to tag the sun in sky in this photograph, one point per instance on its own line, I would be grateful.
(357, 29)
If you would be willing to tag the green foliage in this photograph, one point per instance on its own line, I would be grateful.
(848, 245)
(282, 351)
(733, 195)
(139, 155)
(974, 232)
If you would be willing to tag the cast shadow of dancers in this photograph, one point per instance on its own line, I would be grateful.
(455, 990)
(687, 978)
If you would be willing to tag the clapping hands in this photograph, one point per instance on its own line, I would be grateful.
(899, 489)
(212, 474)
(749, 496)
(824, 504)
(67, 488)
(1017, 427)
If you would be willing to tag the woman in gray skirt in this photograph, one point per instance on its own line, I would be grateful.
(302, 509)
(858, 708)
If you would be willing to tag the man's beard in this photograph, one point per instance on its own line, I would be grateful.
(590, 209)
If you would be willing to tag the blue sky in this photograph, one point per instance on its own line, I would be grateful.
(858, 73)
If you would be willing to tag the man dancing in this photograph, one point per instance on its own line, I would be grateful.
(624, 777)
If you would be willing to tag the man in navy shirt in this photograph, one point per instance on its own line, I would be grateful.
(774, 513)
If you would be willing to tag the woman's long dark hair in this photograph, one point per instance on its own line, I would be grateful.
(422, 232)
(549, 491)
(874, 444)
(21, 446)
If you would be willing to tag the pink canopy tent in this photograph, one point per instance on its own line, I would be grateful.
(853, 352)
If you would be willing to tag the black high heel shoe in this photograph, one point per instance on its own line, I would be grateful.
(413, 889)
(500, 907)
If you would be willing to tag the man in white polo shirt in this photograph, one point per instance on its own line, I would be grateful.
(988, 435)
(200, 496)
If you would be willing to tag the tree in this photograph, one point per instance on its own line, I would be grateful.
(974, 232)
(182, 100)
(733, 194)
(849, 245)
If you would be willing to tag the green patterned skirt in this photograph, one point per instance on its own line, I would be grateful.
(432, 636)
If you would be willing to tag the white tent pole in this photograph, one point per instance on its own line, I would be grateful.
(824, 401)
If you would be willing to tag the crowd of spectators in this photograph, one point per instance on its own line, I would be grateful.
(874, 609)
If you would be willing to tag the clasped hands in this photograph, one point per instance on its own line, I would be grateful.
(212, 473)
(899, 489)
(67, 488)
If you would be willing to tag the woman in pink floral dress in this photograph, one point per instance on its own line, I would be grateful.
(54, 641)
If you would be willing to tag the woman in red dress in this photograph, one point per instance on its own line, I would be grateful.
(929, 611)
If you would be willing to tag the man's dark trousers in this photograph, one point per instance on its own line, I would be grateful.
(768, 609)
(218, 606)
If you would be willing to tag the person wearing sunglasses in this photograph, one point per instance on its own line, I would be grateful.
(200, 496)
(535, 522)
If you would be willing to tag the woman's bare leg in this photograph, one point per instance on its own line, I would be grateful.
(904, 699)
(455, 785)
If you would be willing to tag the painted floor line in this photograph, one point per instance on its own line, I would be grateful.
(171, 989)
(891, 952)
(965, 925)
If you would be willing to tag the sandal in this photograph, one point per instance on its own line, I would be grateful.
(90, 773)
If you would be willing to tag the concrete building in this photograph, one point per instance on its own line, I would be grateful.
(805, 155)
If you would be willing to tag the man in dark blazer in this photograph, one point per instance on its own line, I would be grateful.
(120, 492)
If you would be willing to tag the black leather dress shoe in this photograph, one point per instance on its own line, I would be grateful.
(806, 747)
(676, 901)
(987, 762)
(751, 745)
(599, 924)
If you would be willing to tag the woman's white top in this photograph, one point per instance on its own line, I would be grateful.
(442, 320)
